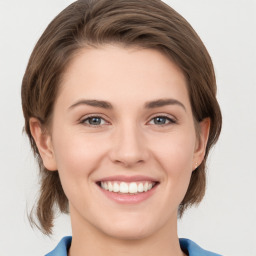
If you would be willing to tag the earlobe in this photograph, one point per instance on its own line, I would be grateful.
(44, 144)
(204, 128)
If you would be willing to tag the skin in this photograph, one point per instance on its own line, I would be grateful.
(127, 140)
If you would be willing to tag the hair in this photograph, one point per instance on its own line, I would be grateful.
(139, 23)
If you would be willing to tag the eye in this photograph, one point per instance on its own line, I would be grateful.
(161, 120)
(94, 121)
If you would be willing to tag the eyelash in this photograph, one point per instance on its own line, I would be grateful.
(88, 118)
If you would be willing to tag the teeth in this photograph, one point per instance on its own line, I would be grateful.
(116, 187)
(133, 188)
(140, 187)
(125, 188)
(145, 187)
(110, 187)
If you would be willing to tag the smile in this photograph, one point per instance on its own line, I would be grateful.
(127, 187)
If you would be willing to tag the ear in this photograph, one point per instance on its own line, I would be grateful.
(44, 144)
(203, 134)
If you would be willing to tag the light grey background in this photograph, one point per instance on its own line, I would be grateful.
(225, 221)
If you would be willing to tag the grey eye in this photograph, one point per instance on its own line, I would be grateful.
(161, 120)
(94, 121)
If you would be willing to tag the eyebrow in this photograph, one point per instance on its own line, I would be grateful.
(106, 105)
(163, 102)
(93, 103)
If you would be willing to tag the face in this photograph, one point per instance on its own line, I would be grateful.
(123, 140)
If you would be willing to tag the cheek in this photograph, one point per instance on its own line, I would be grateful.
(77, 158)
(175, 156)
(77, 155)
(175, 153)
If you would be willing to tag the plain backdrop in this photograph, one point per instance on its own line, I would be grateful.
(225, 221)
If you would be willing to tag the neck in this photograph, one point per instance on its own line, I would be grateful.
(88, 240)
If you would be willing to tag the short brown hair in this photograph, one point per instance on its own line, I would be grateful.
(143, 23)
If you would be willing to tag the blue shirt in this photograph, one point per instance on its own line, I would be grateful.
(186, 245)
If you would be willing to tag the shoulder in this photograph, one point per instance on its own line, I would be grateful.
(62, 247)
(193, 249)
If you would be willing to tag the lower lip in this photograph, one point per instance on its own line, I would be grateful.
(129, 198)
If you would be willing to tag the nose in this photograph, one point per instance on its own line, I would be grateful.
(129, 146)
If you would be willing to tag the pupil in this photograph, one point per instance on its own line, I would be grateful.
(160, 120)
(94, 120)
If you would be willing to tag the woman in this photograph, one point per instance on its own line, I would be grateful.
(119, 100)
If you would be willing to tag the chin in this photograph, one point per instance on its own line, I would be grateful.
(128, 229)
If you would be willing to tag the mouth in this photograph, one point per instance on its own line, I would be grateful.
(127, 187)
(128, 190)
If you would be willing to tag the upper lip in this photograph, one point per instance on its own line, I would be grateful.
(128, 178)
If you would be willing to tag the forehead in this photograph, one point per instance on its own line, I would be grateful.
(115, 73)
